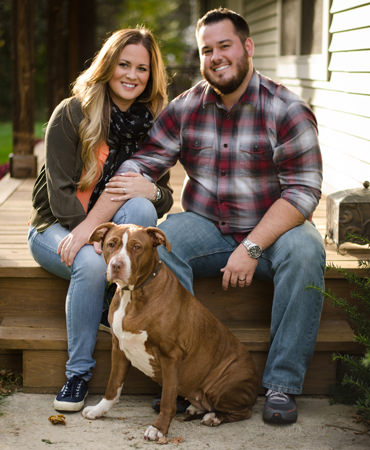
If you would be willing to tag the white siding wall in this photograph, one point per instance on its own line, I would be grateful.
(341, 104)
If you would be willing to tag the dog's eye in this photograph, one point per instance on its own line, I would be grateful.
(111, 244)
(137, 247)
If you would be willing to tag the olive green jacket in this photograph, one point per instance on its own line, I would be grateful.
(54, 194)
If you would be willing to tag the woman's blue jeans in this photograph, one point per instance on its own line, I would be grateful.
(295, 261)
(87, 285)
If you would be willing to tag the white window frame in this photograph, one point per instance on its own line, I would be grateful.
(311, 67)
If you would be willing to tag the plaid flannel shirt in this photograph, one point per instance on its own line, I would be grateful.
(238, 162)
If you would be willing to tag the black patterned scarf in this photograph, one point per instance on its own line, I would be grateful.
(126, 130)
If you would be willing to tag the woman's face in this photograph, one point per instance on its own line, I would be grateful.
(130, 76)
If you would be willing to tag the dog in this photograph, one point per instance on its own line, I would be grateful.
(164, 331)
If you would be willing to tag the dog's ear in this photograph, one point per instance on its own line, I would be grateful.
(158, 237)
(98, 234)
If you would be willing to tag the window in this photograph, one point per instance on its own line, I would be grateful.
(303, 39)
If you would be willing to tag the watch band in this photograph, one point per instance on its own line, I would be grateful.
(254, 250)
(158, 195)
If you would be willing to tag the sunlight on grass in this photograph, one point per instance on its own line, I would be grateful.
(6, 144)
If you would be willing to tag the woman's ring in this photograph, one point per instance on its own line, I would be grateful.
(123, 190)
(241, 279)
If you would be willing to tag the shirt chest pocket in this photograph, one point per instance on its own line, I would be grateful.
(256, 156)
(199, 149)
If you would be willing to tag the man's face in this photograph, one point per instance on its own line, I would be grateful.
(224, 59)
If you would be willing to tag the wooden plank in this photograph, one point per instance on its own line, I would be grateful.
(265, 37)
(42, 333)
(267, 24)
(43, 372)
(351, 19)
(350, 40)
(347, 123)
(341, 5)
(261, 14)
(357, 61)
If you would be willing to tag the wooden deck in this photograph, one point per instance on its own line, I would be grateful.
(32, 330)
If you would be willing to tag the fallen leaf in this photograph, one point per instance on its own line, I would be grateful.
(177, 440)
(59, 419)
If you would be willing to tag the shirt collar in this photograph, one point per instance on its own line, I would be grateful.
(250, 95)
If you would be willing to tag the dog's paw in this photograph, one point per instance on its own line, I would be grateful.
(152, 434)
(92, 412)
(211, 420)
(192, 413)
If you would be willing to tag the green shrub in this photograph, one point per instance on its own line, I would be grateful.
(354, 387)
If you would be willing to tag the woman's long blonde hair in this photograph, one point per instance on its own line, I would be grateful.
(91, 89)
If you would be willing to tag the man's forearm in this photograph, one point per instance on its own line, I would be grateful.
(280, 218)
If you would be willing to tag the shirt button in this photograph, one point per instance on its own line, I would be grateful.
(223, 173)
(225, 145)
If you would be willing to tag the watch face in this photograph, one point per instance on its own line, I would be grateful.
(255, 251)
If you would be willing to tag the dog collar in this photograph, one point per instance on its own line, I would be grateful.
(150, 277)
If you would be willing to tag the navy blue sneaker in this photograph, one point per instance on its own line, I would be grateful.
(279, 408)
(72, 395)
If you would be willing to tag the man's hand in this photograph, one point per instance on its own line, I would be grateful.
(74, 241)
(130, 185)
(239, 269)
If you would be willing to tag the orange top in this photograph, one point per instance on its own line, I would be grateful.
(84, 196)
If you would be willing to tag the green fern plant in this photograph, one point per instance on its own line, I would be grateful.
(354, 387)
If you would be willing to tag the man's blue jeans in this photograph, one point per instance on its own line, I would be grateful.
(87, 277)
(295, 261)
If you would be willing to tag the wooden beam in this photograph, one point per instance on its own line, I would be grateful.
(23, 163)
(57, 53)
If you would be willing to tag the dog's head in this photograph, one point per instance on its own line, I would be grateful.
(129, 251)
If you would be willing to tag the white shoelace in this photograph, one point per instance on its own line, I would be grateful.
(277, 397)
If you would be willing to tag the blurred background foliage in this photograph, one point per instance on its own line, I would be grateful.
(169, 20)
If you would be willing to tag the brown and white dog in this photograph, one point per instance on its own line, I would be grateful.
(161, 329)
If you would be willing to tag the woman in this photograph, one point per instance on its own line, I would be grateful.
(88, 136)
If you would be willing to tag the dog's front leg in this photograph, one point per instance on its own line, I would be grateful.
(119, 368)
(169, 368)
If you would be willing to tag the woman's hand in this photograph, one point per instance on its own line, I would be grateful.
(130, 185)
(74, 241)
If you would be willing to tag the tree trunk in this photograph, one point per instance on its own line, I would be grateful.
(23, 163)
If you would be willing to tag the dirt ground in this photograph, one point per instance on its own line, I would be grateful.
(24, 424)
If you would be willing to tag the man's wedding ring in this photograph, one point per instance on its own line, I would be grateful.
(241, 279)
(123, 190)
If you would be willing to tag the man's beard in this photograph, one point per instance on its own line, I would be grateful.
(242, 69)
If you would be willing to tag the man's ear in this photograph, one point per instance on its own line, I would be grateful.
(249, 47)
(99, 233)
(158, 237)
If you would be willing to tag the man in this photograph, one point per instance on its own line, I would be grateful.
(251, 153)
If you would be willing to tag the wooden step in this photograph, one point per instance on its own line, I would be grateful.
(43, 343)
(37, 292)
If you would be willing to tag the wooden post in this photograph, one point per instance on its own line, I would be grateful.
(57, 53)
(23, 163)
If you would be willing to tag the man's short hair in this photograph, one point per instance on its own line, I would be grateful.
(217, 15)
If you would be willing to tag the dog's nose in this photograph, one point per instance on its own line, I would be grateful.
(116, 266)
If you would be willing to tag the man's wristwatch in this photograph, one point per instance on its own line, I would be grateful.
(254, 250)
